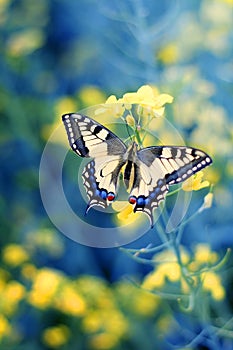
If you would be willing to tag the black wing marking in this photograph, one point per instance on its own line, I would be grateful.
(90, 139)
(159, 167)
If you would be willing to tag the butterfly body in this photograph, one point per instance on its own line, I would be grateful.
(147, 172)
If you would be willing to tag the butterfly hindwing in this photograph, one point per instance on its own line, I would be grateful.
(100, 178)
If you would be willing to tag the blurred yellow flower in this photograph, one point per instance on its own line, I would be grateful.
(47, 240)
(91, 95)
(29, 271)
(92, 322)
(13, 293)
(65, 105)
(5, 327)
(103, 341)
(109, 321)
(56, 336)
(230, 2)
(14, 255)
(167, 270)
(44, 288)
(212, 283)
(144, 303)
(168, 54)
(195, 183)
(204, 255)
(69, 301)
(25, 42)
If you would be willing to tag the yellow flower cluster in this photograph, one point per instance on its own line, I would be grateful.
(198, 269)
(12, 292)
(52, 289)
(45, 286)
(168, 270)
(136, 300)
(150, 101)
(104, 322)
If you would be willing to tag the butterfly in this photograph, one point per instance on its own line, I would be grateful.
(147, 172)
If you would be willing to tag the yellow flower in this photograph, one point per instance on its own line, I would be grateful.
(154, 280)
(92, 322)
(70, 302)
(111, 108)
(91, 95)
(204, 255)
(5, 327)
(150, 102)
(14, 255)
(57, 336)
(145, 304)
(166, 271)
(103, 341)
(29, 271)
(168, 54)
(125, 213)
(230, 2)
(194, 183)
(13, 293)
(212, 284)
(147, 97)
(25, 42)
(45, 286)
(169, 270)
(65, 105)
(47, 240)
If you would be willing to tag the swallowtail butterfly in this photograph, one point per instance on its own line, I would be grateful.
(148, 172)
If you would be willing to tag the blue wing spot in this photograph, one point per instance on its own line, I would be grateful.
(103, 194)
(97, 193)
(92, 179)
(92, 170)
(141, 201)
(160, 182)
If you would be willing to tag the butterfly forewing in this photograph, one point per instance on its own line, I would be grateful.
(173, 163)
(90, 139)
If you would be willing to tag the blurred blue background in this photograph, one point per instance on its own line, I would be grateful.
(61, 55)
